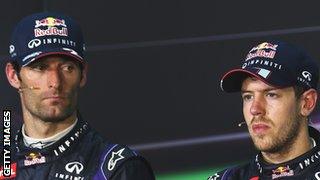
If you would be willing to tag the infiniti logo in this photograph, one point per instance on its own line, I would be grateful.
(34, 43)
(307, 75)
(74, 166)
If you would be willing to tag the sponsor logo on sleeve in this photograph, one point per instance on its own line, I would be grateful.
(116, 156)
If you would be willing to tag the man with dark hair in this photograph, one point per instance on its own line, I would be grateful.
(278, 85)
(48, 68)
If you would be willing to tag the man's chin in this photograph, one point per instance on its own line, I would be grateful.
(263, 148)
(55, 114)
(262, 144)
(53, 119)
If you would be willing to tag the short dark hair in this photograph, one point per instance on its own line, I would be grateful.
(298, 90)
(16, 67)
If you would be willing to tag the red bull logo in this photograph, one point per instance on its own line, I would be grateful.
(261, 53)
(265, 50)
(265, 46)
(281, 172)
(50, 22)
(34, 158)
(52, 25)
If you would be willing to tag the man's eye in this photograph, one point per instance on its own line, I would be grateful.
(68, 68)
(272, 95)
(247, 97)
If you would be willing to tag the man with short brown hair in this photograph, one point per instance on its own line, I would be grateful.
(278, 84)
(48, 68)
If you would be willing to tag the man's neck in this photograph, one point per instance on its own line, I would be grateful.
(301, 145)
(39, 129)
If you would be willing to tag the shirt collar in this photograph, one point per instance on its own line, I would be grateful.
(45, 142)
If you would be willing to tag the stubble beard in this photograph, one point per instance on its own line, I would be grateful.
(48, 115)
(52, 113)
(282, 141)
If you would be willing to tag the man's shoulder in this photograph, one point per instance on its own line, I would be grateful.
(230, 173)
(119, 161)
(116, 161)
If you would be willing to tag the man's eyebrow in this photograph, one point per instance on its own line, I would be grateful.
(244, 91)
(271, 89)
(35, 63)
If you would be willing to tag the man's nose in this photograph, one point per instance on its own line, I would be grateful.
(54, 78)
(258, 106)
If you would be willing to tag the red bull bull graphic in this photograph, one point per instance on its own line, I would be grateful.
(34, 158)
(52, 25)
(50, 22)
(265, 45)
(266, 50)
(281, 172)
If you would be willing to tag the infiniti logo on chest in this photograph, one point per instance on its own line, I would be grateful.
(74, 166)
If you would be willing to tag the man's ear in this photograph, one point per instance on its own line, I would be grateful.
(12, 76)
(83, 79)
(308, 102)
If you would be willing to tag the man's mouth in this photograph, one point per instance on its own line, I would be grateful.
(54, 99)
(260, 128)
